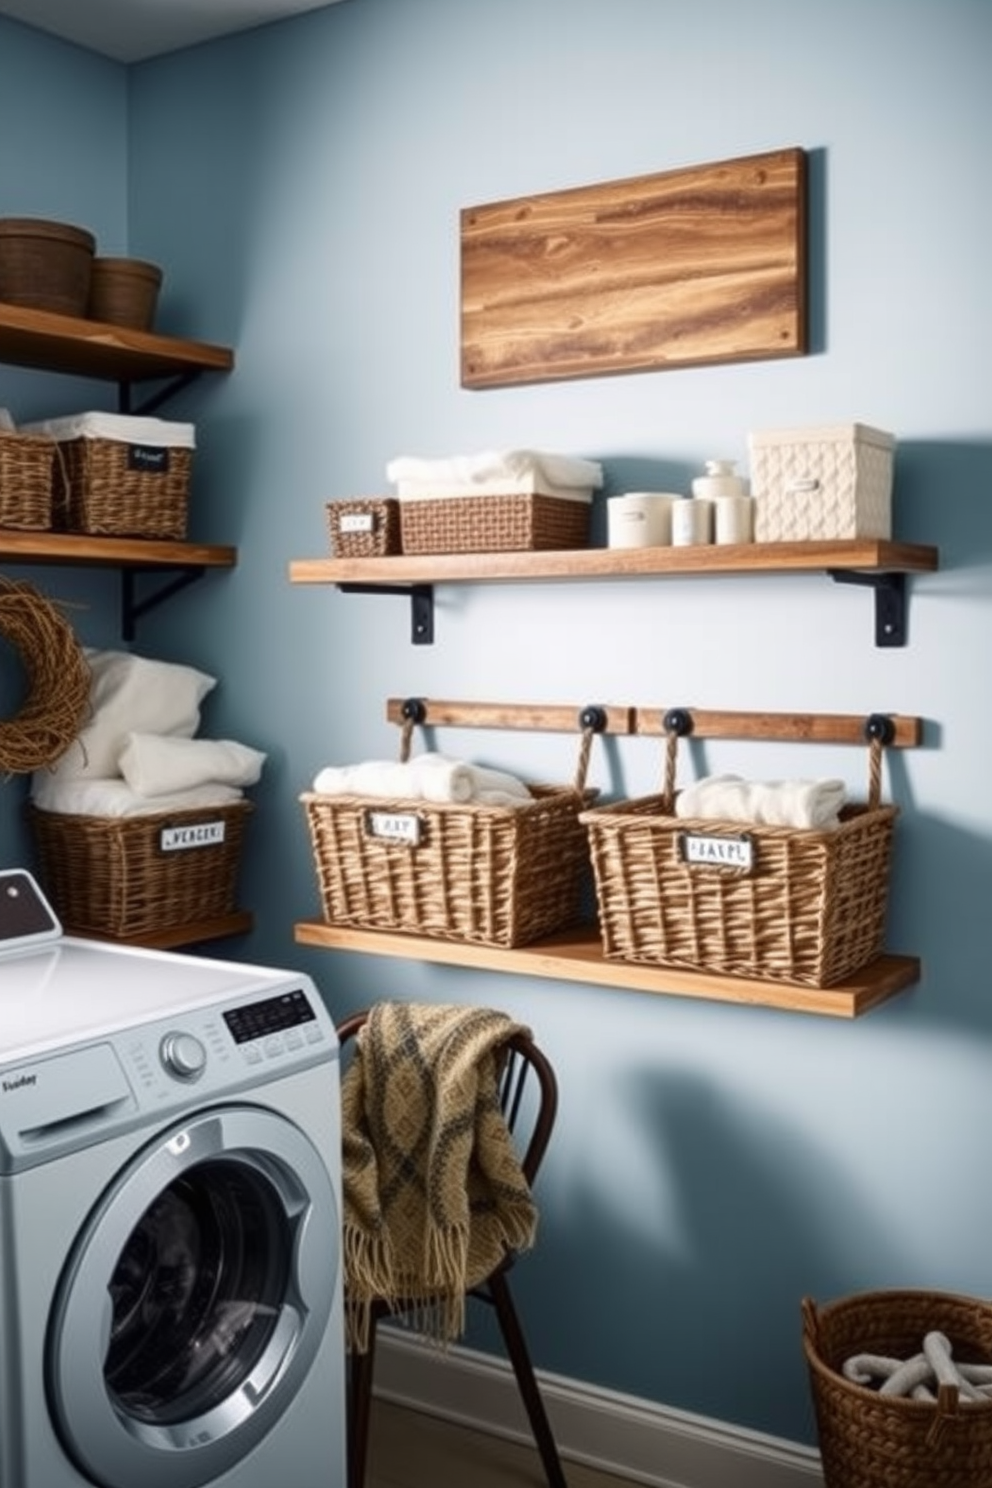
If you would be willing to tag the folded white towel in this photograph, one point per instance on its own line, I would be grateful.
(157, 765)
(116, 798)
(510, 471)
(126, 428)
(810, 804)
(428, 777)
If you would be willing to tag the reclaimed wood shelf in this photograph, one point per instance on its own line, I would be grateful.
(238, 923)
(576, 956)
(881, 565)
(47, 342)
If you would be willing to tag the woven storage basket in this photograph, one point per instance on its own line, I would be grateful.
(493, 524)
(810, 909)
(121, 476)
(493, 875)
(136, 875)
(868, 1440)
(124, 291)
(45, 265)
(26, 480)
(365, 527)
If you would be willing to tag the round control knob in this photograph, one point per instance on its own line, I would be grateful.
(183, 1056)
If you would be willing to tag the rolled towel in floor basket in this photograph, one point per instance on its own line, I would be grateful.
(808, 804)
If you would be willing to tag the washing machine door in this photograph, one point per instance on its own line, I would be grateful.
(194, 1301)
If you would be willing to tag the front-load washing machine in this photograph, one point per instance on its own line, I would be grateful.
(171, 1304)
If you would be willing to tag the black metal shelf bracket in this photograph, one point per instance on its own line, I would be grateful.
(890, 602)
(421, 598)
(132, 608)
(125, 403)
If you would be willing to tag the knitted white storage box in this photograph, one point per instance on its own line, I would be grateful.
(827, 483)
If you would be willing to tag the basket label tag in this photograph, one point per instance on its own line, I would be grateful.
(357, 522)
(395, 826)
(717, 852)
(150, 459)
(203, 834)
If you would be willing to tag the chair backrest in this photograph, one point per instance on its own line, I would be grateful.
(522, 1059)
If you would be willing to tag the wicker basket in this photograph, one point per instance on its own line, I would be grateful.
(26, 480)
(366, 527)
(492, 875)
(138, 875)
(868, 1440)
(45, 265)
(121, 477)
(124, 291)
(493, 524)
(809, 908)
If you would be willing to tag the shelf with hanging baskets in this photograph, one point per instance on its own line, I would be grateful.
(582, 953)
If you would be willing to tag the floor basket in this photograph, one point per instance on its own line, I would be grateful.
(775, 903)
(493, 875)
(137, 875)
(868, 1440)
(26, 481)
(493, 524)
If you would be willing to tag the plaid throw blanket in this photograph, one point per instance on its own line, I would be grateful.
(434, 1196)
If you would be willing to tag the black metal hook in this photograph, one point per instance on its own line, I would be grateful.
(593, 717)
(414, 710)
(678, 721)
(880, 726)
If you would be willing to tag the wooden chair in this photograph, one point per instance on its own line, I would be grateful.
(522, 1060)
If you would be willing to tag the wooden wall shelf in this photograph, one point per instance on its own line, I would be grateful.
(880, 565)
(183, 935)
(88, 348)
(576, 956)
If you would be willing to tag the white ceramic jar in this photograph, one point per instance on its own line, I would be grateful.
(640, 519)
(720, 480)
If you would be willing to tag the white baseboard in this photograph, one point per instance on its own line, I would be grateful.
(615, 1433)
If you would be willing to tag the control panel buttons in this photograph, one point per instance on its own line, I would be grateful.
(183, 1055)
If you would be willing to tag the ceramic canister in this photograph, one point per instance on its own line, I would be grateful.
(640, 519)
(719, 480)
(692, 522)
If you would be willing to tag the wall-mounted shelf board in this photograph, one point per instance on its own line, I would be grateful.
(89, 348)
(184, 935)
(576, 956)
(878, 564)
(131, 555)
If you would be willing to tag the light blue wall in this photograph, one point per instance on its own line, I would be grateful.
(302, 186)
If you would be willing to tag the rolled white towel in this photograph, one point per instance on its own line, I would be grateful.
(386, 779)
(157, 765)
(808, 804)
(428, 777)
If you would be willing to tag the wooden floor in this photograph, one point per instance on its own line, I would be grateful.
(408, 1449)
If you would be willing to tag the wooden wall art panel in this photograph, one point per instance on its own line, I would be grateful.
(694, 266)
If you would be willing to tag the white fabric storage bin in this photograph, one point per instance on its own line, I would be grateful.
(829, 483)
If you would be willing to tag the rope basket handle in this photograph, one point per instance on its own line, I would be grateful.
(591, 720)
(879, 731)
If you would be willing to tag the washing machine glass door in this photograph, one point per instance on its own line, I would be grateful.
(194, 1301)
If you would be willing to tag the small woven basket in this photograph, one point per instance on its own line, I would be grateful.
(492, 875)
(101, 489)
(493, 524)
(868, 1440)
(124, 291)
(135, 876)
(26, 481)
(365, 527)
(809, 909)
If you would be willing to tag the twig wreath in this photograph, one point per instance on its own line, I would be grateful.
(58, 680)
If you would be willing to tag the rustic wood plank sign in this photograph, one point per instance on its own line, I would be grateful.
(694, 266)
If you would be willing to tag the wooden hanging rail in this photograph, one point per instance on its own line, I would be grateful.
(785, 728)
(903, 732)
(555, 718)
